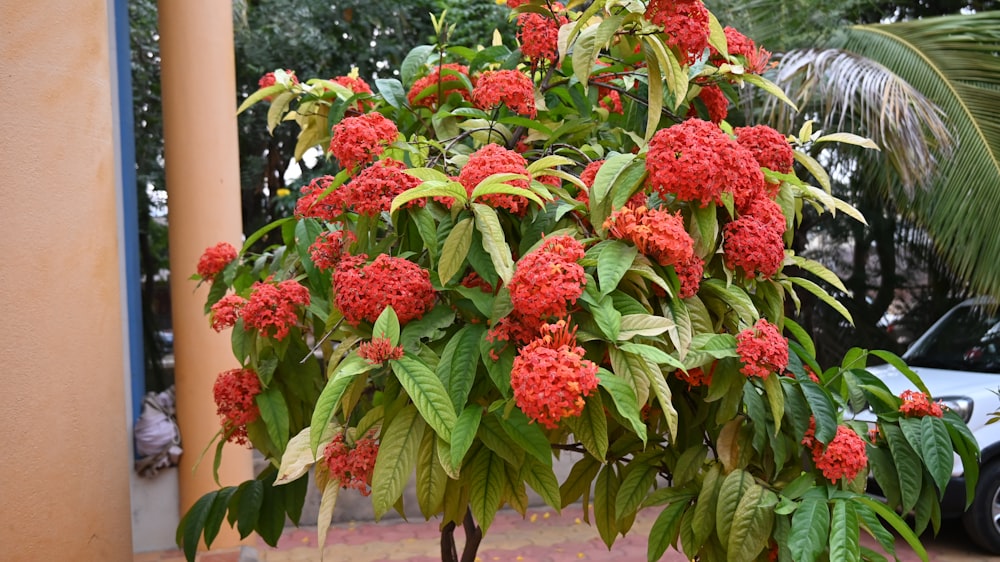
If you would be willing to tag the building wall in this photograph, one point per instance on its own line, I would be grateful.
(64, 469)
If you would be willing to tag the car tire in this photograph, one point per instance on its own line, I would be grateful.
(982, 520)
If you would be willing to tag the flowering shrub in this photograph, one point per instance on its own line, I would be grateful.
(549, 248)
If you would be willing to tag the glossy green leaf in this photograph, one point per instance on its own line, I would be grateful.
(704, 229)
(494, 241)
(822, 408)
(703, 522)
(486, 487)
(591, 427)
(614, 169)
(633, 325)
(431, 477)
(844, 539)
(735, 297)
(936, 451)
(578, 481)
(455, 249)
(427, 393)
(397, 457)
(464, 432)
(776, 399)
(543, 481)
(908, 465)
(213, 522)
(612, 264)
(896, 522)
(623, 395)
(751, 526)
(459, 362)
(329, 399)
(823, 296)
(605, 497)
(274, 412)
(665, 530)
(431, 188)
(527, 434)
(387, 326)
(665, 397)
(810, 529)
(251, 496)
(635, 486)
(392, 91)
(193, 524)
(733, 486)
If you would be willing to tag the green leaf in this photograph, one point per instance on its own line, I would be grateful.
(908, 465)
(543, 481)
(274, 412)
(465, 432)
(769, 87)
(901, 366)
(251, 496)
(459, 361)
(260, 95)
(751, 527)
(936, 451)
(591, 427)
(397, 457)
(639, 478)
(810, 529)
(735, 484)
(528, 435)
(431, 477)
(387, 326)
(823, 296)
(329, 490)
(734, 296)
(623, 395)
(884, 470)
(819, 270)
(455, 248)
(579, 480)
(427, 393)
(703, 522)
(193, 523)
(964, 443)
(392, 91)
(494, 241)
(654, 354)
(776, 399)
(822, 409)
(848, 138)
(271, 522)
(495, 184)
(643, 325)
(296, 459)
(814, 168)
(704, 229)
(800, 336)
(665, 530)
(431, 326)
(612, 264)
(486, 483)
(329, 399)
(896, 522)
(602, 307)
(844, 540)
(665, 397)
(605, 498)
(213, 521)
(616, 171)
(413, 62)
(431, 188)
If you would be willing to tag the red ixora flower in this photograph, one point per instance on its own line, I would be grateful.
(358, 86)
(234, 393)
(226, 312)
(690, 273)
(548, 279)
(363, 291)
(329, 247)
(352, 466)
(917, 405)
(215, 259)
(696, 161)
(379, 350)
(716, 103)
(696, 377)
(769, 147)
(509, 87)
(539, 34)
(495, 159)
(843, 457)
(442, 81)
(270, 79)
(656, 233)
(329, 207)
(766, 211)
(756, 60)
(762, 349)
(753, 246)
(373, 189)
(358, 140)
(274, 308)
(550, 378)
(685, 25)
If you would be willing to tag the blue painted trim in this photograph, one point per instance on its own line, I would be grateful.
(130, 204)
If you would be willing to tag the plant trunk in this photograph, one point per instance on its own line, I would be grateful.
(473, 537)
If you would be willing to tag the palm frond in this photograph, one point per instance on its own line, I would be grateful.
(954, 61)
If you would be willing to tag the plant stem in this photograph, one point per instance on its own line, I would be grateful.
(473, 536)
(448, 551)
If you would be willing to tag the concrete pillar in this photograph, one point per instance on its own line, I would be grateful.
(64, 470)
(203, 185)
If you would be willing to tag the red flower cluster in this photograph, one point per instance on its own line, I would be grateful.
(715, 102)
(539, 34)
(766, 211)
(358, 140)
(689, 273)
(918, 405)
(589, 173)
(327, 208)
(270, 79)
(753, 246)
(358, 86)
(374, 188)
(843, 457)
(234, 393)
(495, 159)
(695, 377)
(363, 291)
(656, 233)
(379, 350)
(330, 247)
(440, 82)
(762, 349)
(215, 259)
(696, 161)
(684, 22)
(769, 147)
(474, 281)
(226, 312)
(550, 377)
(352, 466)
(548, 279)
(508, 87)
(273, 308)
(756, 60)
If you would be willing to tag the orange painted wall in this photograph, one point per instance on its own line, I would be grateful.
(64, 454)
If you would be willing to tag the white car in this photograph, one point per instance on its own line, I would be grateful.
(958, 359)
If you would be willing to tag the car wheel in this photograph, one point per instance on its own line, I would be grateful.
(982, 520)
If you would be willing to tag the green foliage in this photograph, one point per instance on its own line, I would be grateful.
(473, 391)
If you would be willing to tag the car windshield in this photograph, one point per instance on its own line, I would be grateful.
(968, 339)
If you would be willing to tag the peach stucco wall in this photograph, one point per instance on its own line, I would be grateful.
(64, 449)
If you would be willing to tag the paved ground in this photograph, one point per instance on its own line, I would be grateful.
(544, 536)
